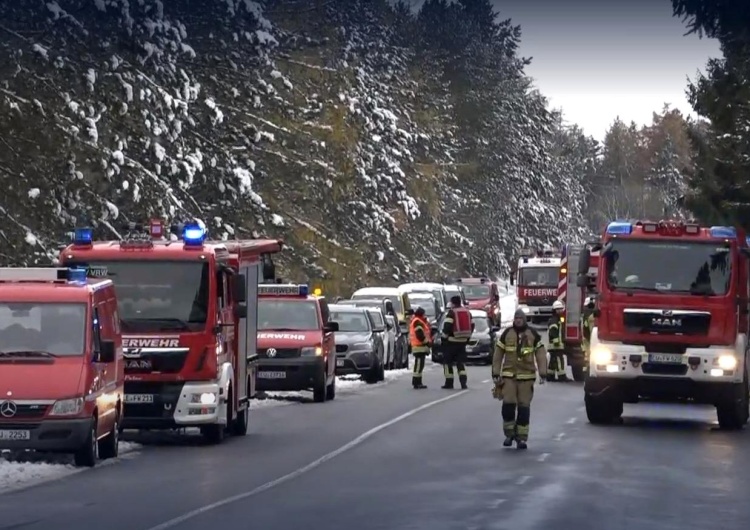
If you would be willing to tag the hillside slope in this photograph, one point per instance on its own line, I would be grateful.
(330, 124)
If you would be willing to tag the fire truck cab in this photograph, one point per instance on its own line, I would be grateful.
(672, 319)
(537, 276)
(61, 363)
(296, 341)
(188, 311)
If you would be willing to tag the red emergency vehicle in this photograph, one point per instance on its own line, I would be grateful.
(61, 363)
(188, 313)
(574, 296)
(296, 341)
(536, 277)
(482, 294)
(672, 320)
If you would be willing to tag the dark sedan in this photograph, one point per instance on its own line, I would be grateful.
(480, 347)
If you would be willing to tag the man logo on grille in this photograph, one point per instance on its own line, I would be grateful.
(271, 352)
(8, 409)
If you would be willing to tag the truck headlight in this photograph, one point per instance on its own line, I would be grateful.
(727, 362)
(601, 355)
(525, 309)
(67, 407)
(206, 398)
(312, 351)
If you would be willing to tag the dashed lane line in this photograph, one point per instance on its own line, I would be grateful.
(542, 457)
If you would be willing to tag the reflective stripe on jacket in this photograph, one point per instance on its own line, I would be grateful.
(517, 355)
(554, 332)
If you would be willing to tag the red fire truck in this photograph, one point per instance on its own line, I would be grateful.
(536, 276)
(482, 293)
(672, 319)
(573, 296)
(188, 310)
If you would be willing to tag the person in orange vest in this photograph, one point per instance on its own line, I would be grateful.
(420, 340)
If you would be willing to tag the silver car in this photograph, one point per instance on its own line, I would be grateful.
(359, 343)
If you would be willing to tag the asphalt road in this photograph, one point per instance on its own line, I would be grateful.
(438, 467)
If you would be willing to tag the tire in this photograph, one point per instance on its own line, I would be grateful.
(602, 411)
(88, 454)
(733, 414)
(214, 434)
(579, 374)
(331, 390)
(241, 422)
(373, 374)
(109, 446)
(320, 389)
(381, 373)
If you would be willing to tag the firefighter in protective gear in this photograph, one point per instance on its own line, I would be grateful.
(454, 350)
(587, 324)
(556, 369)
(420, 340)
(519, 355)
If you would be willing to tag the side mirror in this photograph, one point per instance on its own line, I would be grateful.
(494, 330)
(409, 312)
(106, 352)
(269, 268)
(239, 289)
(584, 261)
(331, 327)
(240, 311)
(380, 329)
(496, 298)
(582, 280)
(596, 313)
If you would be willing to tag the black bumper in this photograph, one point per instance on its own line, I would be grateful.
(63, 435)
(358, 363)
(156, 415)
(481, 354)
(661, 389)
(289, 375)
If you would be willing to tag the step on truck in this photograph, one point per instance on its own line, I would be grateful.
(61, 364)
(573, 296)
(672, 319)
(188, 311)
(536, 277)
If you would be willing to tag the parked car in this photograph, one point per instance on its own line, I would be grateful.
(437, 290)
(427, 302)
(400, 350)
(359, 345)
(387, 332)
(399, 300)
(481, 344)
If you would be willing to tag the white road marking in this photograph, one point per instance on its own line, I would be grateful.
(494, 505)
(559, 436)
(301, 471)
(523, 480)
(543, 457)
(572, 420)
(486, 381)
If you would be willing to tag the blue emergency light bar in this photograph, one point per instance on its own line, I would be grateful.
(193, 234)
(619, 228)
(723, 231)
(289, 289)
(83, 236)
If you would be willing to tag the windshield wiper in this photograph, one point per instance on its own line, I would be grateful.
(27, 353)
(285, 329)
(175, 323)
(649, 289)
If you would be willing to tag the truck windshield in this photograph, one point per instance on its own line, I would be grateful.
(669, 267)
(350, 321)
(42, 328)
(476, 292)
(538, 276)
(276, 314)
(157, 295)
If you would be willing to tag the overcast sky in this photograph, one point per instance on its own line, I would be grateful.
(599, 59)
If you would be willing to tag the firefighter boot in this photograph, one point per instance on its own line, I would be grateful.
(521, 444)
(416, 382)
(448, 372)
(508, 441)
(463, 380)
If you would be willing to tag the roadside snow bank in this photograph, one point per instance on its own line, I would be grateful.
(25, 469)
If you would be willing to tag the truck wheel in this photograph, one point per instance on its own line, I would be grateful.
(733, 414)
(241, 422)
(109, 447)
(331, 390)
(579, 374)
(87, 455)
(602, 411)
(319, 390)
(215, 434)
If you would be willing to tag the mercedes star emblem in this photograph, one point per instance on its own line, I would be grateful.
(8, 409)
(271, 352)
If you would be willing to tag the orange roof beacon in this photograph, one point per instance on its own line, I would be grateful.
(296, 341)
(61, 363)
(187, 309)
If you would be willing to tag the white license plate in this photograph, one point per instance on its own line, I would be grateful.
(340, 362)
(666, 358)
(272, 375)
(139, 398)
(9, 435)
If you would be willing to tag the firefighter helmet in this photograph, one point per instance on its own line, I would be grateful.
(558, 305)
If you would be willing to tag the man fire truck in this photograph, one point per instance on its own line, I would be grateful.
(482, 293)
(188, 314)
(672, 320)
(573, 297)
(537, 275)
(296, 341)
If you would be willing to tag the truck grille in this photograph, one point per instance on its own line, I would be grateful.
(665, 322)
(165, 361)
(24, 412)
(281, 353)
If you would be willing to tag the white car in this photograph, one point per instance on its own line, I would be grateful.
(437, 290)
(389, 336)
